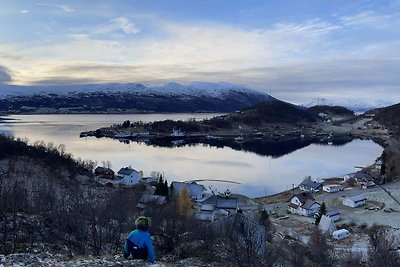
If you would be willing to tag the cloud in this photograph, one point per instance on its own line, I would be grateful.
(371, 19)
(5, 76)
(118, 24)
(24, 11)
(62, 7)
(305, 59)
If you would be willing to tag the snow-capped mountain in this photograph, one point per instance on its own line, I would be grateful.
(129, 97)
(194, 88)
(356, 105)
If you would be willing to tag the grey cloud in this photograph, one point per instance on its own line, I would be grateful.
(5, 76)
(62, 80)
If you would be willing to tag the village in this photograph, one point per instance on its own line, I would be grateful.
(345, 206)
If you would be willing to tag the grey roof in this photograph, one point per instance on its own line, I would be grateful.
(304, 196)
(357, 198)
(310, 184)
(332, 213)
(326, 224)
(308, 204)
(146, 198)
(207, 207)
(222, 202)
(361, 175)
(227, 203)
(126, 171)
(103, 170)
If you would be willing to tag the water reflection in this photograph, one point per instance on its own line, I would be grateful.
(272, 167)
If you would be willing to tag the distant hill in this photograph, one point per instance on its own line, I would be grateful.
(275, 111)
(355, 104)
(330, 110)
(128, 98)
(390, 117)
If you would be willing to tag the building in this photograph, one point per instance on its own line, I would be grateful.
(367, 184)
(355, 201)
(147, 199)
(105, 173)
(334, 215)
(310, 186)
(195, 190)
(128, 176)
(221, 202)
(332, 188)
(360, 176)
(326, 225)
(303, 204)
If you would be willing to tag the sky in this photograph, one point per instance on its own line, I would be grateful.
(292, 49)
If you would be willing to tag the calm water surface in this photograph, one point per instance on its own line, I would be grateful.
(258, 175)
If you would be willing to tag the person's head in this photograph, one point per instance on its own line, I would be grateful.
(143, 223)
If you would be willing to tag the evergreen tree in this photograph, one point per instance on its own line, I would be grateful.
(322, 211)
(171, 190)
(165, 188)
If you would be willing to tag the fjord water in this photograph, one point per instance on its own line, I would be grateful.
(258, 175)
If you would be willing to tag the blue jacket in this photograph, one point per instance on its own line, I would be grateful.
(141, 239)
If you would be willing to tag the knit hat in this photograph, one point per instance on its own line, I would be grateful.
(142, 223)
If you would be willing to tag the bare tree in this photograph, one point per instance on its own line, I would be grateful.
(320, 251)
(383, 251)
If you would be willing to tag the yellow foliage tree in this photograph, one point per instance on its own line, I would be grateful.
(184, 203)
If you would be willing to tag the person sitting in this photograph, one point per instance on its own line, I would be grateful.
(139, 243)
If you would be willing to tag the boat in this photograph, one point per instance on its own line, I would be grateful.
(124, 136)
(239, 139)
(143, 135)
(175, 135)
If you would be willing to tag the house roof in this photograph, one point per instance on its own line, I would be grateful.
(103, 170)
(222, 202)
(207, 207)
(304, 196)
(357, 198)
(308, 204)
(326, 224)
(227, 203)
(310, 184)
(126, 171)
(361, 175)
(146, 198)
(332, 213)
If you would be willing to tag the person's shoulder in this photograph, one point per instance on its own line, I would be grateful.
(134, 232)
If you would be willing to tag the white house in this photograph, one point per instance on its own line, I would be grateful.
(310, 186)
(334, 215)
(195, 190)
(355, 201)
(332, 188)
(303, 204)
(326, 225)
(128, 176)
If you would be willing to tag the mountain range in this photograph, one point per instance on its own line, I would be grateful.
(137, 97)
(129, 98)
